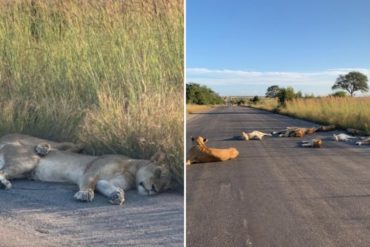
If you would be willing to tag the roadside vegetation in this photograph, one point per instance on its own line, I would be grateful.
(339, 108)
(108, 74)
(200, 98)
(191, 108)
(201, 95)
(345, 112)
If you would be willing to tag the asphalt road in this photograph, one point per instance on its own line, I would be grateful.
(275, 193)
(45, 214)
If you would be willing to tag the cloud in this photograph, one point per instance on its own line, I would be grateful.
(238, 82)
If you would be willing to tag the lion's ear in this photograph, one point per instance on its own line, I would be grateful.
(205, 140)
(158, 157)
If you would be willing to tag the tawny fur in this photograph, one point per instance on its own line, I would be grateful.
(110, 175)
(365, 141)
(301, 131)
(254, 135)
(314, 143)
(342, 137)
(200, 153)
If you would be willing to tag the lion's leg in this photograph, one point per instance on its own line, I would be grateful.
(15, 170)
(4, 182)
(68, 146)
(87, 187)
(115, 194)
(306, 144)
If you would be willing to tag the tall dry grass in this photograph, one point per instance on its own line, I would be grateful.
(105, 73)
(190, 108)
(345, 112)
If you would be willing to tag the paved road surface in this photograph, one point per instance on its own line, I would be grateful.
(276, 193)
(45, 214)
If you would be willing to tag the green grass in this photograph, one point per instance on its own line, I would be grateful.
(344, 112)
(108, 74)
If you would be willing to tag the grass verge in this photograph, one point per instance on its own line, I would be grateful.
(344, 112)
(190, 108)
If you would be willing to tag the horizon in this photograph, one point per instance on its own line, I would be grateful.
(242, 48)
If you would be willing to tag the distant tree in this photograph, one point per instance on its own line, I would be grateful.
(272, 91)
(299, 94)
(309, 96)
(352, 82)
(339, 94)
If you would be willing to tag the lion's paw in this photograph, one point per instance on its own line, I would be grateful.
(43, 149)
(85, 196)
(117, 197)
(5, 184)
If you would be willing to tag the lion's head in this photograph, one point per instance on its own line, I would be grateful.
(154, 177)
(199, 140)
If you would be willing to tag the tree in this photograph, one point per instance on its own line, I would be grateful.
(352, 82)
(286, 94)
(272, 91)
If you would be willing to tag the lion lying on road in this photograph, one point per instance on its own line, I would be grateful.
(110, 175)
(342, 137)
(200, 153)
(301, 132)
(365, 141)
(254, 135)
(314, 143)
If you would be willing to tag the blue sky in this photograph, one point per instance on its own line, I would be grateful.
(242, 47)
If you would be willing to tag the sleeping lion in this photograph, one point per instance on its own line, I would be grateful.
(302, 131)
(200, 153)
(110, 175)
(254, 135)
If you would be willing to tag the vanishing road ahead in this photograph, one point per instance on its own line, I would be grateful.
(275, 193)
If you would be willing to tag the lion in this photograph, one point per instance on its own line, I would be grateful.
(342, 137)
(27, 140)
(22, 150)
(301, 131)
(254, 135)
(314, 143)
(110, 175)
(364, 141)
(200, 153)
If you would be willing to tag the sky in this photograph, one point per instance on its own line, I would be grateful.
(241, 47)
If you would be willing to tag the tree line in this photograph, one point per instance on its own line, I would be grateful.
(348, 84)
(201, 95)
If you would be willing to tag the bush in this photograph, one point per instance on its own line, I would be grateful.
(255, 100)
(240, 102)
(286, 94)
(339, 94)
